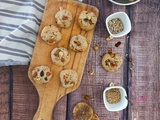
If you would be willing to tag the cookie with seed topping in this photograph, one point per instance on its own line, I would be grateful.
(68, 78)
(63, 18)
(41, 74)
(60, 56)
(51, 35)
(111, 62)
(78, 43)
(87, 20)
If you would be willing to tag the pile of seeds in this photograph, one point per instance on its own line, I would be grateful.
(115, 26)
(113, 96)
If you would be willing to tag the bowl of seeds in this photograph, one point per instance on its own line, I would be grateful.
(114, 98)
(124, 2)
(118, 24)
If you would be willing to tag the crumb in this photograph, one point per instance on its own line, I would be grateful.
(109, 38)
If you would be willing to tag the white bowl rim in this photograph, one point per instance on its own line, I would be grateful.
(131, 3)
(104, 96)
(116, 13)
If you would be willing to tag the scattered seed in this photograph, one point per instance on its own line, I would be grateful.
(118, 44)
(95, 47)
(91, 72)
(130, 59)
(86, 97)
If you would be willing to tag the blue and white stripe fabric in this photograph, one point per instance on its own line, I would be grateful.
(19, 23)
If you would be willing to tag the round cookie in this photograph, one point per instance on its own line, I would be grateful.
(60, 56)
(111, 62)
(51, 35)
(87, 20)
(63, 18)
(68, 78)
(41, 74)
(78, 43)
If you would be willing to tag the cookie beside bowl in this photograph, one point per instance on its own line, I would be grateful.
(116, 104)
(122, 20)
(124, 2)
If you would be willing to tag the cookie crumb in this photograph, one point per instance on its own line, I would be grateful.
(111, 84)
(109, 38)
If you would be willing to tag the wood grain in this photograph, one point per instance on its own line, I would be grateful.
(25, 98)
(144, 82)
(50, 93)
(4, 93)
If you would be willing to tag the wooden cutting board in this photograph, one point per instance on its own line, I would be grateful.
(51, 92)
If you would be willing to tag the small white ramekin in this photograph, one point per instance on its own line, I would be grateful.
(126, 23)
(122, 104)
(128, 3)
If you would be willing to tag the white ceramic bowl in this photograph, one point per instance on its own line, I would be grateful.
(122, 104)
(126, 23)
(124, 3)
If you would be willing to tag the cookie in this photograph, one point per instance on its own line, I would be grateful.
(111, 62)
(60, 56)
(51, 35)
(68, 78)
(63, 18)
(87, 20)
(78, 43)
(41, 74)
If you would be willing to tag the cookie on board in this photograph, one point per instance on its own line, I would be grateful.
(68, 78)
(41, 74)
(87, 20)
(63, 18)
(51, 35)
(60, 56)
(78, 43)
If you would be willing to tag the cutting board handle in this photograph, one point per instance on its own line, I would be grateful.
(45, 109)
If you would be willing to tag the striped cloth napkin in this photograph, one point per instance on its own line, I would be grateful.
(19, 23)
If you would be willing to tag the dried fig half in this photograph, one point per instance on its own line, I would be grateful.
(82, 111)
